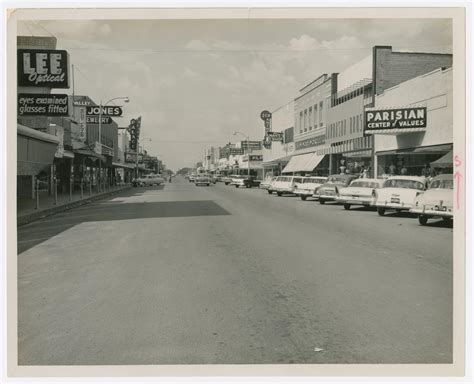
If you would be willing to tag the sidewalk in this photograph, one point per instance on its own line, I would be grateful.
(26, 211)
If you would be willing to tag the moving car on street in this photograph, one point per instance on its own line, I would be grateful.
(285, 184)
(330, 189)
(251, 182)
(308, 186)
(228, 179)
(238, 181)
(359, 192)
(202, 179)
(149, 180)
(437, 201)
(399, 193)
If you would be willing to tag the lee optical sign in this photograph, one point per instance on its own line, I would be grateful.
(43, 68)
(396, 118)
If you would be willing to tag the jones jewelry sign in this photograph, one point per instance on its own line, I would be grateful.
(95, 110)
(395, 118)
(43, 68)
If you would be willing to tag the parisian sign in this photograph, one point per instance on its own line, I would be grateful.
(395, 118)
(43, 68)
(95, 110)
(34, 104)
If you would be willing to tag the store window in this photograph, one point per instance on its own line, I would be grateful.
(321, 114)
(310, 118)
(305, 120)
(315, 116)
(301, 122)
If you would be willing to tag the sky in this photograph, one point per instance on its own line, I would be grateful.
(196, 82)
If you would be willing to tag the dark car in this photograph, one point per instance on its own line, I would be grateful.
(251, 182)
(330, 189)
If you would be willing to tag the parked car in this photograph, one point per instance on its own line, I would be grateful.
(265, 184)
(149, 180)
(308, 186)
(285, 184)
(238, 181)
(437, 201)
(202, 179)
(359, 192)
(330, 189)
(399, 193)
(192, 177)
(251, 182)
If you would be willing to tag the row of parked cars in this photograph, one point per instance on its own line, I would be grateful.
(425, 197)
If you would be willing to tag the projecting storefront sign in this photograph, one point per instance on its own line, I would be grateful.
(43, 68)
(395, 118)
(314, 141)
(95, 120)
(251, 144)
(275, 136)
(236, 151)
(95, 110)
(33, 104)
(130, 157)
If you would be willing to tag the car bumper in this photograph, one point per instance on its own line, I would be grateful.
(283, 190)
(327, 197)
(400, 206)
(355, 201)
(303, 192)
(431, 212)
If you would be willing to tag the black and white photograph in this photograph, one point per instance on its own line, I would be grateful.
(251, 189)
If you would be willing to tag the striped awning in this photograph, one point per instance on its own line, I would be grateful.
(394, 131)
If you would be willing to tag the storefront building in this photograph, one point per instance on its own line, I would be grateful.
(279, 152)
(41, 143)
(412, 125)
(310, 119)
(350, 147)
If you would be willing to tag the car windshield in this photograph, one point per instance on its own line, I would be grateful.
(364, 184)
(409, 184)
(314, 180)
(283, 178)
(442, 184)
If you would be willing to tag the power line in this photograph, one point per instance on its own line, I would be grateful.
(250, 50)
(38, 23)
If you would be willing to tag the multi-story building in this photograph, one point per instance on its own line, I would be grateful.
(310, 119)
(349, 146)
(412, 124)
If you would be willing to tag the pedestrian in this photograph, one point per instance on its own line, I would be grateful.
(169, 180)
(392, 169)
(404, 171)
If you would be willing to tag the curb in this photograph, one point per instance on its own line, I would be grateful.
(30, 217)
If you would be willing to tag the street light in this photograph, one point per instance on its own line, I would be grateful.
(126, 100)
(248, 151)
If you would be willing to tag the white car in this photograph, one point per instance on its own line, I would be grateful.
(228, 179)
(150, 180)
(437, 201)
(308, 186)
(265, 184)
(399, 193)
(284, 184)
(238, 181)
(359, 192)
(202, 179)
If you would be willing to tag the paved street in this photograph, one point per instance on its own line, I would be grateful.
(196, 275)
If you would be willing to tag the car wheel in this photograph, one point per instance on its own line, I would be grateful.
(381, 211)
(303, 197)
(226, 183)
(279, 193)
(247, 186)
(321, 201)
(347, 206)
(446, 220)
(269, 192)
(422, 219)
(208, 184)
(236, 186)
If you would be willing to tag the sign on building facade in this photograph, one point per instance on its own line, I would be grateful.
(43, 68)
(414, 117)
(40, 104)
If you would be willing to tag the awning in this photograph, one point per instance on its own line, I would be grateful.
(394, 131)
(306, 162)
(364, 153)
(276, 162)
(428, 150)
(123, 165)
(35, 150)
(444, 162)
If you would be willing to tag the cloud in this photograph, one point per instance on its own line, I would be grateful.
(189, 74)
(303, 43)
